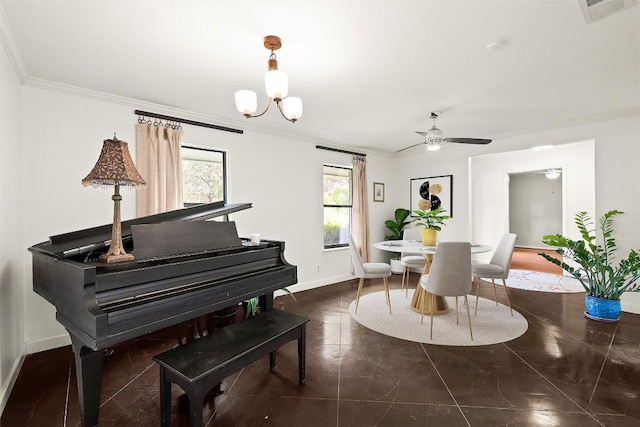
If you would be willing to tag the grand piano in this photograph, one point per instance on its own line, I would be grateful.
(184, 267)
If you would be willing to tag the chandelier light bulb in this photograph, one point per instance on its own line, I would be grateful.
(292, 108)
(276, 84)
(246, 101)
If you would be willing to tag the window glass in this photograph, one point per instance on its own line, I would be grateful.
(337, 193)
(203, 175)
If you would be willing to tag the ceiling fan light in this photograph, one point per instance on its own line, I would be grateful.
(292, 108)
(552, 174)
(276, 84)
(433, 147)
(246, 101)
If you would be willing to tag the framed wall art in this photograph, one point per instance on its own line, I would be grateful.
(432, 192)
(378, 192)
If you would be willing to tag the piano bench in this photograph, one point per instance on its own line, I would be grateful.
(197, 367)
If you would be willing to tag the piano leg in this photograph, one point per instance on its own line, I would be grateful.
(89, 365)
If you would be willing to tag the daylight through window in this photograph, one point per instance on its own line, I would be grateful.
(337, 182)
(203, 175)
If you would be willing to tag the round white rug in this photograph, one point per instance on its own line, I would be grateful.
(493, 324)
(542, 282)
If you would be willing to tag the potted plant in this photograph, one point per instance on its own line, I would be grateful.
(397, 224)
(603, 279)
(432, 221)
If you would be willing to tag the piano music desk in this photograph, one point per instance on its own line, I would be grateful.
(200, 365)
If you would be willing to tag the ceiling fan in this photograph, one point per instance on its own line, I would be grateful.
(434, 137)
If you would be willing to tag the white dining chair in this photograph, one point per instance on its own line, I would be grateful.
(369, 270)
(496, 268)
(411, 261)
(449, 275)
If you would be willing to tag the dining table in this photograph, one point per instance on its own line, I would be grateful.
(438, 304)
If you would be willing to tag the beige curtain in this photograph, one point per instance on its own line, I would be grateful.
(361, 208)
(158, 160)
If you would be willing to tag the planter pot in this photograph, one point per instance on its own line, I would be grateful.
(429, 236)
(396, 266)
(606, 310)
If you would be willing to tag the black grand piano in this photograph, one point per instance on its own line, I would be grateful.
(184, 267)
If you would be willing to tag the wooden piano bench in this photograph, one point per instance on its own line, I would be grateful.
(199, 366)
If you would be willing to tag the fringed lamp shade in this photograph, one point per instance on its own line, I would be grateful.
(115, 167)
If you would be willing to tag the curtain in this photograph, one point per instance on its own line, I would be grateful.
(361, 208)
(159, 162)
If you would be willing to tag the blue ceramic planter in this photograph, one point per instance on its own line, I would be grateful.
(607, 310)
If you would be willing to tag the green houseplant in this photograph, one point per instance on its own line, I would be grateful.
(432, 221)
(604, 280)
(397, 224)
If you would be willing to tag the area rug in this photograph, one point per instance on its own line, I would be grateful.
(542, 282)
(493, 324)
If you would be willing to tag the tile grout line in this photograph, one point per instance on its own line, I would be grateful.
(445, 384)
(66, 398)
(606, 356)
(553, 385)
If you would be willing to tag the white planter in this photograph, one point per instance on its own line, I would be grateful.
(396, 266)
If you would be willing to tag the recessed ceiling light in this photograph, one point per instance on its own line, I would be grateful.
(495, 46)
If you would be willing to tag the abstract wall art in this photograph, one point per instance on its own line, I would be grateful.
(432, 192)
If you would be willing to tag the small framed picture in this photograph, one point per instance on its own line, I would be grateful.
(378, 192)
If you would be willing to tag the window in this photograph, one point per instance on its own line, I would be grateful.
(338, 202)
(204, 175)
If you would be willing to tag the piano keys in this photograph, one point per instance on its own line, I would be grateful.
(184, 267)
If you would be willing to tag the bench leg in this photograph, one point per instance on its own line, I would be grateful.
(196, 400)
(272, 361)
(165, 400)
(302, 344)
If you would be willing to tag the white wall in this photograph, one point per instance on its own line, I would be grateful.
(11, 254)
(281, 177)
(535, 207)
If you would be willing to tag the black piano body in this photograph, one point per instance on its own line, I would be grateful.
(180, 272)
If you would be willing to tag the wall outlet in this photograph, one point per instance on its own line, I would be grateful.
(317, 267)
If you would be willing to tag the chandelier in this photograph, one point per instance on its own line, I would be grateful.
(277, 86)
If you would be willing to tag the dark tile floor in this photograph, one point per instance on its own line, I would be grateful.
(564, 371)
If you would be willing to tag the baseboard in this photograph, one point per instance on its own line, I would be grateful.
(48, 343)
(5, 392)
(317, 284)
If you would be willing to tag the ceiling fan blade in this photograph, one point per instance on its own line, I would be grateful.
(423, 133)
(468, 140)
(411, 146)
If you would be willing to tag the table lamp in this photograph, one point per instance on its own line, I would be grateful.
(115, 167)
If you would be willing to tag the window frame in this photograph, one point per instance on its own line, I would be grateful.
(224, 172)
(350, 206)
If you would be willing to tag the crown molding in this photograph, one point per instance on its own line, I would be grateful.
(11, 47)
(582, 121)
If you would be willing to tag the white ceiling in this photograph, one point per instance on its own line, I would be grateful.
(368, 72)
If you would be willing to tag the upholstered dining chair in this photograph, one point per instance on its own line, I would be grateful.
(369, 270)
(411, 261)
(497, 268)
(449, 275)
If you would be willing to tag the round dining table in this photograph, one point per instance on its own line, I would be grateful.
(416, 247)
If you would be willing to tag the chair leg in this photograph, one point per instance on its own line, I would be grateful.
(507, 292)
(386, 290)
(359, 292)
(433, 304)
(468, 317)
(457, 322)
(423, 305)
(477, 294)
(495, 294)
(404, 272)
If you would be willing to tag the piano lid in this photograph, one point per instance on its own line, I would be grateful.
(85, 241)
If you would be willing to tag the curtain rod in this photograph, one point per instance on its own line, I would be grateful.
(187, 121)
(321, 147)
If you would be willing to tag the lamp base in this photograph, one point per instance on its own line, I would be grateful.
(110, 259)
